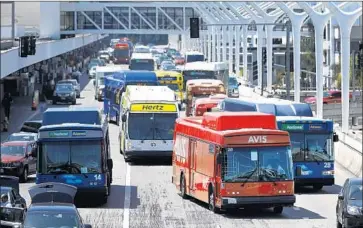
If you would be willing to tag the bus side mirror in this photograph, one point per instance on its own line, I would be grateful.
(335, 138)
(110, 163)
(123, 118)
(239, 84)
(129, 67)
(298, 171)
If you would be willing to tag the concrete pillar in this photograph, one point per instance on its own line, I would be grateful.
(259, 55)
(245, 51)
(224, 40)
(210, 36)
(269, 53)
(214, 42)
(218, 32)
(205, 44)
(331, 50)
(230, 48)
(237, 49)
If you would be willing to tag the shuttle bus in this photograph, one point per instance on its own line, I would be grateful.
(99, 82)
(233, 160)
(173, 80)
(142, 61)
(121, 53)
(148, 118)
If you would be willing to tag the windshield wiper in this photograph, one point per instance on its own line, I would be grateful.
(269, 177)
(157, 131)
(62, 166)
(150, 131)
(248, 177)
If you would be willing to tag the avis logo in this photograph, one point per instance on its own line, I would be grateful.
(257, 139)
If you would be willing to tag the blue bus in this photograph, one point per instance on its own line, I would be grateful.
(78, 155)
(312, 139)
(128, 77)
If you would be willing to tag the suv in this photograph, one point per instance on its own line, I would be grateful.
(75, 83)
(64, 93)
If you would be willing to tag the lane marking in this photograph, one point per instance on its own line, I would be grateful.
(127, 201)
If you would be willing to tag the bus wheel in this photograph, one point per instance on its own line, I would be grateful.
(317, 187)
(183, 187)
(117, 120)
(212, 202)
(278, 210)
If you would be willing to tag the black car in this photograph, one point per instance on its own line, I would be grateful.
(10, 185)
(65, 93)
(11, 217)
(349, 210)
(31, 126)
(52, 206)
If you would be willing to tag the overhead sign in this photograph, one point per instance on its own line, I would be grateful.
(61, 134)
(153, 108)
(292, 127)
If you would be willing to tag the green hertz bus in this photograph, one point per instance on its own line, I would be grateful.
(78, 155)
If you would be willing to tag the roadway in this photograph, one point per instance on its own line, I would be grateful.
(142, 196)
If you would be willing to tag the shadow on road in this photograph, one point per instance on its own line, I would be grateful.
(116, 200)
(152, 162)
(335, 189)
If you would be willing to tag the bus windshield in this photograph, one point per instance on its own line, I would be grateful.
(119, 53)
(311, 147)
(142, 64)
(151, 126)
(174, 87)
(194, 58)
(72, 157)
(257, 164)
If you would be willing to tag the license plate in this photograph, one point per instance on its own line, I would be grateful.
(1, 170)
(63, 98)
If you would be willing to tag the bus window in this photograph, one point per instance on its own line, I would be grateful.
(194, 58)
(142, 64)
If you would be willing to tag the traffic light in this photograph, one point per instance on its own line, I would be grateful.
(32, 45)
(194, 27)
(24, 46)
(264, 56)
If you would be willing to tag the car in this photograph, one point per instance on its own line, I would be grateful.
(11, 217)
(52, 205)
(329, 97)
(233, 87)
(349, 209)
(76, 85)
(179, 60)
(23, 136)
(76, 75)
(64, 93)
(92, 72)
(167, 66)
(104, 55)
(10, 185)
(31, 126)
(18, 158)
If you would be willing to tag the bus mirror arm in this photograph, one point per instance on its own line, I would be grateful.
(123, 118)
(335, 137)
(94, 82)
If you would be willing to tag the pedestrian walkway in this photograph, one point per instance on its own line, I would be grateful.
(20, 111)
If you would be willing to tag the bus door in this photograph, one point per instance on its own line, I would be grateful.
(192, 166)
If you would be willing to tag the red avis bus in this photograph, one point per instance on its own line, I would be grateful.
(233, 160)
(122, 53)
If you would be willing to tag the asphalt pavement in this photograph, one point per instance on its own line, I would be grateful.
(142, 196)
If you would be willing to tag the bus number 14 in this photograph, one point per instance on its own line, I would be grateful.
(97, 177)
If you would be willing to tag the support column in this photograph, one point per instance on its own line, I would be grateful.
(331, 51)
(184, 43)
(345, 63)
(205, 44)
(214, 42)
(245, 52)
(224, 40)
(237, 49)
(297, 56)
(230, 48)
(210, 35)
(218, 59)
(259, 56)
(319, 35)
(269, 53)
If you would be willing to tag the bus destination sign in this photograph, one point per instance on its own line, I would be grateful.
(292, 127)
(153, 108)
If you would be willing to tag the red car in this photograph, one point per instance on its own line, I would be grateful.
(179, 60)
(18, 158)
(330, 97)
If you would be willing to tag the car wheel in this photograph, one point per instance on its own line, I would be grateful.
(183, 187)
(24, 175)
(339, 225)
(74, 102)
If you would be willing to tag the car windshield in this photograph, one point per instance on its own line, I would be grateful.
(356, 192)
(257, 164)
(53, 219)
(13, 150)
(232, 81)
(22, 138)
(81, 156)
(169, 66)
(151, 126)
(64, 87)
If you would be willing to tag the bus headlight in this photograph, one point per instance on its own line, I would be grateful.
(221, 88)
(328, 172)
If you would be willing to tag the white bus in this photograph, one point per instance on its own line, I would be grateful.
(194, 56)
(99, 82)
(141, 49)
(148, 118)
(142, 61)
(206, 70)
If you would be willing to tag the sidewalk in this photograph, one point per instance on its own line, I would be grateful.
(20, 112)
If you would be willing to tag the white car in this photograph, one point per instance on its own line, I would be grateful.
(92, 72)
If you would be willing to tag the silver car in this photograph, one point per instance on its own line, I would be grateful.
(75, 84)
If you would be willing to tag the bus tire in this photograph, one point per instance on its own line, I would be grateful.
(278, 210)
(317, 187)
(211, 201)
(183, 187)
(24, 175)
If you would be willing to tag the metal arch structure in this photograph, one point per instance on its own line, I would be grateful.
(123, 15)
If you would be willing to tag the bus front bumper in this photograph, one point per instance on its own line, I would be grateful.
(147, 153)
(86, 192)
(314, 181)
(258, 202)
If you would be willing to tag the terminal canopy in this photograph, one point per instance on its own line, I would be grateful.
(52, 193)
